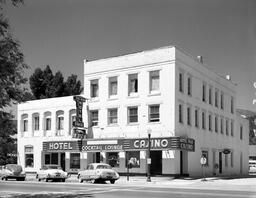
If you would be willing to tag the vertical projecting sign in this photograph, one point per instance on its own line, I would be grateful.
(79, 130)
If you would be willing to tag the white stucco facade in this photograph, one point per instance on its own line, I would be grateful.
(159, 91)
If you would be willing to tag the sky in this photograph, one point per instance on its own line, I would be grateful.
(62, 33)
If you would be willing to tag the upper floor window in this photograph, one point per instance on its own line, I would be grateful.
(221, 125)
(210, 95)
(48, 123)
(154, 115)
(181, 82)
(154, 81)
(36, 122)
(232, 105)
(216, 98)
(24, 122)
(133, 83)
(227, 127)
(60, 123)
(189, 85)
(204, 92)
(94, 88)
(203, 120)
(180, 113)
(241, 132)
(232, 128)
(196, 118)
(188, 115)
(25, 125)
(94, 117)
(132, 114)
(210, 122)
(112, 86)
(216, 124)
(222, 100)
(112, 116)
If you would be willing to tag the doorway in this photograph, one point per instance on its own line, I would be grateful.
(156, 162)
(181, 162)
(220, 162)
(63, 161)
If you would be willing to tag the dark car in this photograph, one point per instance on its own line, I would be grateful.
(12, 171)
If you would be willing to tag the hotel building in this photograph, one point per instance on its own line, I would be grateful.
(189, 111)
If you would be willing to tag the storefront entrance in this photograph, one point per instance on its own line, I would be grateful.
(156, 162)
(220, 162)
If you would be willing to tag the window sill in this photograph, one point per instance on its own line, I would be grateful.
(95, 99)
(133, 95)
(154, 94)
(112, 125)
(112, 98)
(154, 122)
(132, 124)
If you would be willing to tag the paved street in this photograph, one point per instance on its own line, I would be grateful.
(133, 188)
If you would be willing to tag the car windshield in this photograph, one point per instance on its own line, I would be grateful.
(53, 167)
(103, 166)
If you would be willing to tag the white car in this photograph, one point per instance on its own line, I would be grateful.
(51, 172)
(98, 172)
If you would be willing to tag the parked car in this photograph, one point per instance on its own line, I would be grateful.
(12, 171)
(98, 172)
(51, 172)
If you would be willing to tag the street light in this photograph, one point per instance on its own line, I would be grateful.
(148, 155)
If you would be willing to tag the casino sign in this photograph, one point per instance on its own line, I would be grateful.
(96, 145)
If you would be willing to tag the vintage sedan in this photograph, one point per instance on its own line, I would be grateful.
(51, 172)
(12, 171)
(98, 172)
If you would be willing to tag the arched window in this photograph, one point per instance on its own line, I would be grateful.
(35, 118)
(60, 120)
(72, 118)
(47, 121)
(24, 123)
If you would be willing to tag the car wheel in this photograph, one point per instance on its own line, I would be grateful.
(93, 181)
(112, 181)
(46, 179)
(80, 179)
(5, 178)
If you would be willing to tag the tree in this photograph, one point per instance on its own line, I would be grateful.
(72, 86)
(12, 81)
(46, 85)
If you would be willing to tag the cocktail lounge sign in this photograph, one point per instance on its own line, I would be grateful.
(96, 145)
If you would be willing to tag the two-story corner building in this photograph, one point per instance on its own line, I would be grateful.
(188, 109)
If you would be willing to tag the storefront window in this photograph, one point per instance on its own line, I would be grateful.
(54, 158)
(133, 157)
(47, 159)
(51, 158)
(75, 160)
(29, 156)
(113, 159)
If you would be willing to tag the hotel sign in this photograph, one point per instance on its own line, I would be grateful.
(97, 145)
(79, 111)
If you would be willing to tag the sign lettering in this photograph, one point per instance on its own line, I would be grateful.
(170, 143)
